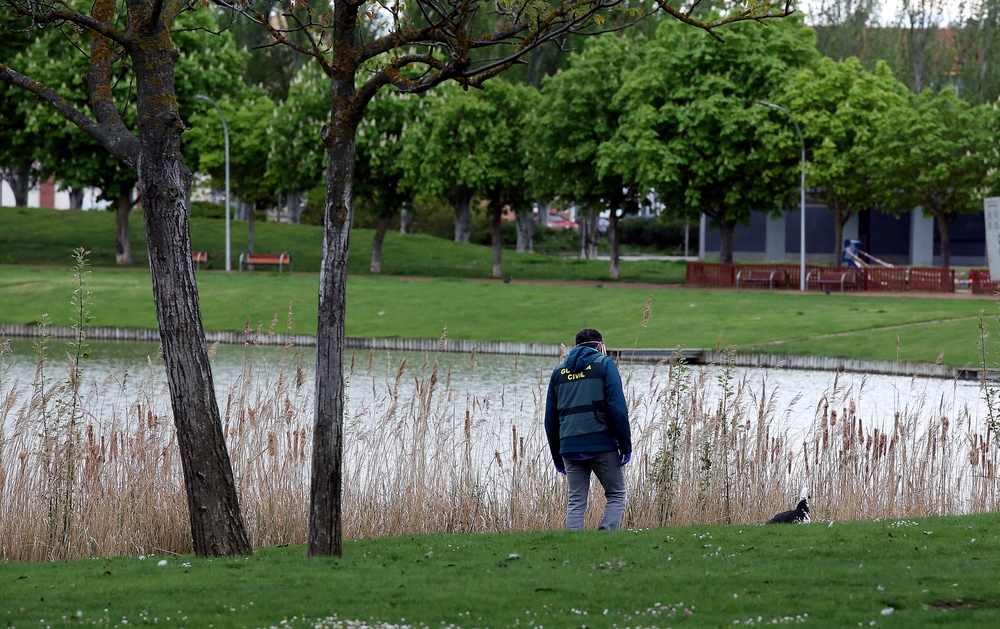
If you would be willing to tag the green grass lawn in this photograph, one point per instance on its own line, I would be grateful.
(48, 237)
(925, 572)
(863, 326)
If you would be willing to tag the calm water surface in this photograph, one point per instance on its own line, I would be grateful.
(796, 393)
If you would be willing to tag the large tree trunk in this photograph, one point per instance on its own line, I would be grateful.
(543, 213)
(840, 218)
(325, 515)
(726, 229)
(406, 219)
(615, 269)
(123, 244)
(588, 234)
(463, 215)
(380, 228)
(293, 203)
(21, 183)
(943, 221)
(497, 207)
(526, 231)
(216, 522)
(76, 198)
(249, 209)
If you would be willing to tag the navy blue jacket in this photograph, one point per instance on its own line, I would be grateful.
(585, 410)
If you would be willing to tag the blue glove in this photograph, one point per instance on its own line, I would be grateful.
(561, 470)
(625, 458)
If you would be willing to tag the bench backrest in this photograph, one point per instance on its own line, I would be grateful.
(199, 256)
(269, 258)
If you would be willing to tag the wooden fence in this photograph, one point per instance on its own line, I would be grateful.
(899, 279)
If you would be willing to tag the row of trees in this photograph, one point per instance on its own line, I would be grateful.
(672, 118)
(662, 115)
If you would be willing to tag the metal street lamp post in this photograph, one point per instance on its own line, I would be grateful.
(225, 131)
(802, 196)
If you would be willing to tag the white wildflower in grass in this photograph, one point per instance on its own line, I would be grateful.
(162, 562)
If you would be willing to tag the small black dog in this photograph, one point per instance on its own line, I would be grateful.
(798, 515)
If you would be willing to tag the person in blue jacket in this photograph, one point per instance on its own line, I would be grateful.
(586, 422)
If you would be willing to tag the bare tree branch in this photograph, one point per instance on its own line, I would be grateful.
(123, 146)
(56, 16)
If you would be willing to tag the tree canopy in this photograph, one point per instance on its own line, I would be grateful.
(691, 128)
(838, 105)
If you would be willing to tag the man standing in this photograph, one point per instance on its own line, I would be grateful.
(586, 422)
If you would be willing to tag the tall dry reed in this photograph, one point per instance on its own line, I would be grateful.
(426, 451)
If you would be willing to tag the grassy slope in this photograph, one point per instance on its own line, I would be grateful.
(32, 236)
(754, 321)
(932, 572)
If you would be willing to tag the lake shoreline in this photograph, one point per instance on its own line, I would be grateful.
(509, 348)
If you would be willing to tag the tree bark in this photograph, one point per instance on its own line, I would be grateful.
(325, 515)
(943, 221)
(840, 218)
(76, 198)
(123, 244)
(21, 183)
(463, 215)
(249, 209)
(293, 200)
(543, 213)
(726, 229)
(525, 231)
(380, 228)
(406, 221)
(217, 526)
(588, 234)
(615, 270)
(497, 207)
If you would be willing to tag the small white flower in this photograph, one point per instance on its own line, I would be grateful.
(887, 611)
(162, 562)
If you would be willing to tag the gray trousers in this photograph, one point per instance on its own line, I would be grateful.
(611, 476)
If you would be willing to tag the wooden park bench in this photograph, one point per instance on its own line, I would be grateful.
(760, 276)
(840, 278)
(198, 257)
(281, 260)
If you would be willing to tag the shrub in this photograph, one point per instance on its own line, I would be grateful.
(651, 233)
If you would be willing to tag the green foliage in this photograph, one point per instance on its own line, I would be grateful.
(472, 138)
(298, 158)
(933, 152)
(652, 233)
(838, 106)
(248, 122)
(690, 128)
(575, 117)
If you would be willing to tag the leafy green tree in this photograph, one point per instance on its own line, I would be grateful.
(475, 139)
(137, 40)
(76, 160)
(249, 146)
(297, 162)
(838, 105)
(18, 150)
(575, 117)
(933, 153)
(691, 129)
(378, 175)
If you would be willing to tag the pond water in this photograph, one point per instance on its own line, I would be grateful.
(794, 395)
